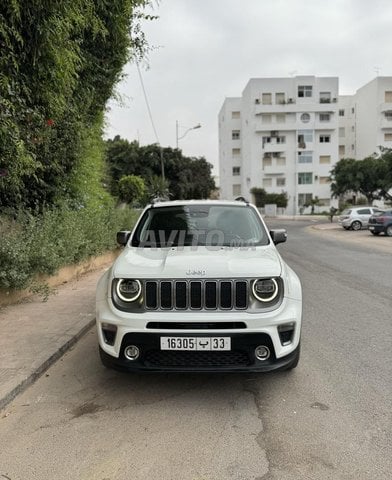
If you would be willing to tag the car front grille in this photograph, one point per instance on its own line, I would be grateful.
(196, 294)
(159, 358)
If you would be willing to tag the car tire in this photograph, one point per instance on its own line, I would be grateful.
(356, 225)
(295, 360)
(388, 231)
(375, 233)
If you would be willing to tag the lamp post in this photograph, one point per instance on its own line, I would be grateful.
(186, 131)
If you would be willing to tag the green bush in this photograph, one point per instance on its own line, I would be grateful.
(43, 244)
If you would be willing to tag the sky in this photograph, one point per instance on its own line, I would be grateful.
(206, 50)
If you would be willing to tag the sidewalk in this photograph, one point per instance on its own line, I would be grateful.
(35, 334)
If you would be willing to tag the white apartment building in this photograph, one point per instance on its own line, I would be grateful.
(365, 119)
(282, 134)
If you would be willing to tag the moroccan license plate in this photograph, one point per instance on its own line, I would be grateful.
(196, 343)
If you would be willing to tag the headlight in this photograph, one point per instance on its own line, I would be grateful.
(128, 289)
(265, 289)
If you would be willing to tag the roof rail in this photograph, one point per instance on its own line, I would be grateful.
(241, 199)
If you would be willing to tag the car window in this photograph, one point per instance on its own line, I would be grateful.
(346, 212)
(199, 225)
(364, 211)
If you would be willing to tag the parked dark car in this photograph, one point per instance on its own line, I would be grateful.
(381, 223)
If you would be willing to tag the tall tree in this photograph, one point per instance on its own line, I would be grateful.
(187, 177)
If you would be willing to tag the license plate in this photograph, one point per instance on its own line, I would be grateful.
(371, 228)
(196, 343)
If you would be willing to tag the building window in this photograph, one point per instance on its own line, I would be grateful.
(235, 114)
(266, 98)
(266, 140)
(325, 117)
(342, 149)
(342, 132)
(235, 134)
(280, 98)
(305, 118)
(352, 128)
(267, 182)
(236, 190)
(305, 157)
(281, 161)
(352, 147)
(325, 138)
(388, 96)
(324, 180)
(305, 91)
(304, 199)
(325, 97)
(305, 178)
(257, 101)
(280, 118)
(341, 112)
(281, 139)
(236, 171)
(267, 162)
(325, 159)
(235, 152)
(303, 137)
(388, 115)
(280, 182)
(266, 118)
(387, 137)
(352, 110)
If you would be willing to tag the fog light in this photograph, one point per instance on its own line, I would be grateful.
(131, 352)
(262, 352)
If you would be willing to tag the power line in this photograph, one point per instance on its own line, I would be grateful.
(152, 121)
(147, 103)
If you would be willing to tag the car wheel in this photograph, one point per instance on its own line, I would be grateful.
(357, 225)
(375, 233)
(388, 231)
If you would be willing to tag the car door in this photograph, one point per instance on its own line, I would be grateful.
(364, 215)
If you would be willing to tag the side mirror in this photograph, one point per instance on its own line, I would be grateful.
(123, 237)
(278, 236)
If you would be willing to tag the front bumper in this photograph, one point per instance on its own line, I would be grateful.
(241, 357)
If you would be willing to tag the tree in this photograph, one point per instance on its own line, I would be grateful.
(372, 176)
(187, 177)
(59, 63)
(131, 188)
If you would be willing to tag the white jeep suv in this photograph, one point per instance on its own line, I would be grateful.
(199, 286)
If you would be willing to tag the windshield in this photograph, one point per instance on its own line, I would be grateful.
(346, 212)
(200, 225)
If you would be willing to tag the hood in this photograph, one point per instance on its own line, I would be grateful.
(200, 263)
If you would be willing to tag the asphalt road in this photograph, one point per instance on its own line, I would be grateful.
(328, 419)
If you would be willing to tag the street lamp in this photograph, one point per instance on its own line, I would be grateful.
(183, 135)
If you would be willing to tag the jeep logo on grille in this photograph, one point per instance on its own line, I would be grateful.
(196, 273)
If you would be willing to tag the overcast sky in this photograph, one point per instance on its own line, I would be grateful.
(207, 50)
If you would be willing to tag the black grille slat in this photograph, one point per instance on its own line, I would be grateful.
(196, 359)
(241, 295)
(196, 294)
(151, 295)
(166, 295)
(210, 294)
(180, 295)
(226, 295)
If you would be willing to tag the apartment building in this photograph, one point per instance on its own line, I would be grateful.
(365, 119)
(282, 134)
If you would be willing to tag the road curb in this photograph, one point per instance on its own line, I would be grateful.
(41, 369)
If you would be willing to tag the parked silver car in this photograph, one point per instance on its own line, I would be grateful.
(356, 218)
